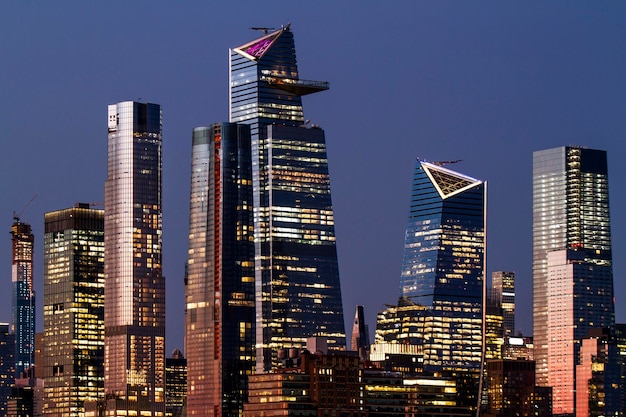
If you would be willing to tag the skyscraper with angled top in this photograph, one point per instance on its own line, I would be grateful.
(443, 271)
(134, 306)
(296, 273)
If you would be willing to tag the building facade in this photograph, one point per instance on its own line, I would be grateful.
(7, 365)
(503, 284)
(443, 271)
(73, 365)
(175, 384)
(220, 286)
(580, 298)
(600, 375)
(134, 312)
(494, 326)
(296, 272)
(23, 320)
(511, 388)
(570, 211)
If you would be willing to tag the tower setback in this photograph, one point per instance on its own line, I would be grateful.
(296, 273)
(570, 211)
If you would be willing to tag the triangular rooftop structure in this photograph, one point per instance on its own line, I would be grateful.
(447, 182)
(257, 48)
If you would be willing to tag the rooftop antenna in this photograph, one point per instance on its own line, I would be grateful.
(17, 215)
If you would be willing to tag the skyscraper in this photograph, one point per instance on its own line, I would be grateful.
(580, 298)
(296, 272)
(503, 284)
(443, 271)
(134, 309)
(175, 384)
(600, 374)
(570, 211)
(73, 367)
(219, 288)
(23, 320)
(360, 340)
(7, 365)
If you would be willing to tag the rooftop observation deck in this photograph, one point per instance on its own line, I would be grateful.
(296, 86)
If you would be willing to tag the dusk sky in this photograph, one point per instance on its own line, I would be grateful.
(484, 82)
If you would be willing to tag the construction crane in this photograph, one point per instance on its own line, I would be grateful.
(442, 163)
(17, 215)
(265, 30)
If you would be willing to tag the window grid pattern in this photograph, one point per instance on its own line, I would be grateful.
(135, 287)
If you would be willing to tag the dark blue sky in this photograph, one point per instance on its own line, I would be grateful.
(485, 82)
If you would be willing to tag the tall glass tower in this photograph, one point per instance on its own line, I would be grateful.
(570, 211)
(443, 271)
(219, 290)
(73, 310)
(296, 273)
(23, 320)
(503, 284)
(134, 309)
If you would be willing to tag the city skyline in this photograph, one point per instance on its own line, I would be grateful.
(549, 78)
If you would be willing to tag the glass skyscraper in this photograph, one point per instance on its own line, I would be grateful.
(503, 284)
(175, 384)
(23, 320)
(570, 211)
(443, 271)
(296, 273)
(220, 309)
(580, 298)
(134, 309)
(73, 367)
(7, 365)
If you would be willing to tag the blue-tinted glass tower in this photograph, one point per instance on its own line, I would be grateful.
(443, 271)
(219, 290)
(23, 323)
(296, 272)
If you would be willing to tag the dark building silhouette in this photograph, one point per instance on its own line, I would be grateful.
(7, 365)
(360, 340)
